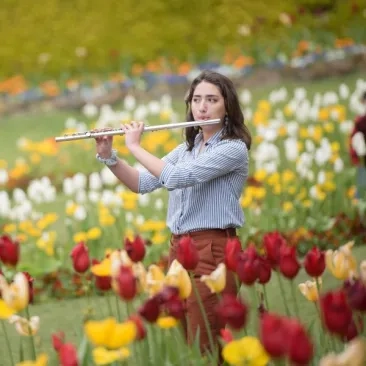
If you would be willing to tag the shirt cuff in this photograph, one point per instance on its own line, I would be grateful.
(165, 173)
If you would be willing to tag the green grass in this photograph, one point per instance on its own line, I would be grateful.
(68, 315)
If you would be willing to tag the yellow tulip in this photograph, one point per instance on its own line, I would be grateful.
(216, 280)
(178, 277)
(154, 279)
(102, 356)
(341, 262)
(42, 360)
(5, 310)
(245, 351)
(139, 272)
(167, 322)
(309, 290)
(15, 295)
(108, 333)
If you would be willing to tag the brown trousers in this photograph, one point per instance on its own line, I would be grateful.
(211, 248)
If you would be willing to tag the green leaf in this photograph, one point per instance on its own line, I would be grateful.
(83, 351)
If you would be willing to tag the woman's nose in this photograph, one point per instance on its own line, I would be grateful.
(202, 106)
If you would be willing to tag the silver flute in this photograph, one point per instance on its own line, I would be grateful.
(112, 132)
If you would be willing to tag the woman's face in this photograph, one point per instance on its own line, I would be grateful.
(207, 102)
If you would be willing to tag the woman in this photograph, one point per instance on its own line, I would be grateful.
(205, 177)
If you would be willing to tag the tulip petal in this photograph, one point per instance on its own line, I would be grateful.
(5, 311)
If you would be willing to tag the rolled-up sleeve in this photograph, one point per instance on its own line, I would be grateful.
(225, 157)
(147, 181)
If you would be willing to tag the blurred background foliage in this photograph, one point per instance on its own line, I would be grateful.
(83, 36)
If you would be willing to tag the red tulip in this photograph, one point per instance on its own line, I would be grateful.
(226, 335)
(175, 308)
(289, 265)
(353, 330)
(126, 283)
(68, 355)
(336, 313)
(150, 309)
(300, 348)
(103, 283)
(273, 334)
(314, 262)
(252, 267)
(264, 270)
(141, 330)
(135, 249)
(272, 243)
(9, 251)
(232, 250)
(232, 311)
(356, 294)
(80, 258)
(58, 340)
(187, 253)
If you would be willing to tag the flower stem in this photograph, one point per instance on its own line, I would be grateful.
(283, 293)
(7, 342)
(265, 296)
(31, 335)
(118, 310)
(204, 315)
(293, 290)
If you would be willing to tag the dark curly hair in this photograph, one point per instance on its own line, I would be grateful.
(236, 128)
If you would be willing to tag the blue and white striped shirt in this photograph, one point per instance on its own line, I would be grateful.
(204, 188)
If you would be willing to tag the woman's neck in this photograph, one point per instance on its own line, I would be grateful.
(209, 131)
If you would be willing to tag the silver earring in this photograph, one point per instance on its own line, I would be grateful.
(226, 120)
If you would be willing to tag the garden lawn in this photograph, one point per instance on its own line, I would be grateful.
(68, 315)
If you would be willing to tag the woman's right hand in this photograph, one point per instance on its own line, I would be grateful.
(104, 144)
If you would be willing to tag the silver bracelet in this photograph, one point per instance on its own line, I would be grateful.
(110, 161)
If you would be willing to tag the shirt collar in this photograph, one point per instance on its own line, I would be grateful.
(212, 140)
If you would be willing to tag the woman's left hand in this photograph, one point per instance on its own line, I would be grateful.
(133, 132)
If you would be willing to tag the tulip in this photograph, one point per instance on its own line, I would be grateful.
(141, 330)
(42, 360)
(15, 295)
(187, 253)
(103, 283)
(288, 263)
(178, 277)
(309, 290)
(103, 356)
(154, 279)
(135, 249)
(264, 270)
(232, 250)
(24, 326)
(300, 348)
(58, 339)
(150, 309)
(126, 283)
(175, 308)
(68, 355)
(336, 313)
(226, 335)
(30, 284)
(245, 351)
(216, 280)
(167, 322)
(272, 244)
(80, 258)
(246, 268)
(108, 333)
(273, 333)
(341, 263)
(314, 263)
(356, 294)
(9, 251)
(353, 355)
(232, 311)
